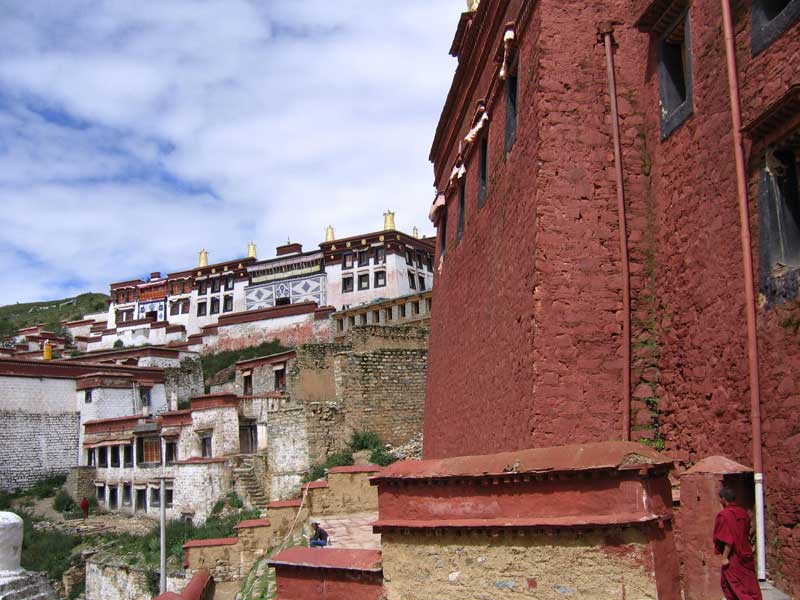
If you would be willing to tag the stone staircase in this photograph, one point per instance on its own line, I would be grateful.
(25, 586)
(249, 486)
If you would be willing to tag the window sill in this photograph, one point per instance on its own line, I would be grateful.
(785, 287)
(677, 117)
(763, 34)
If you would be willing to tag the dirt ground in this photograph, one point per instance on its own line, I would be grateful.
(96, 523)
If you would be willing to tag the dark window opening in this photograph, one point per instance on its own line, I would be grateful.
(101, 493)
(227, 304)
(112, 497)
(462, 205)
(141, 500)
(144, 396)
(363, 281)
(171, 452)
(174, 307)
(675, 75)
(168, 495)
(351, 320)
(443, 231)
(412, 281)
(202, 287)
(205, 445)
(779, 232)
(415, 308)
(126, 494)
(214, 306)
(283, 301)
(483, 171)
(247, 384)
(155, 496)
(363, 318)
(340, 325)
(87, 397)
(280, 380)
(102, 457)
(347, 284)
(420, 260)
(215, 285)
(114, 456)
(228, 282)
(421, 279)
(380, 255)
(127, 455)
(363, 258)
(185, 306)
(511, 109)
(409, 258)
(201, 309)
(389, 314)
(770, 19)
(380, 279)
(90, 457)
(347, 261)
(429, 262)
(402, 311)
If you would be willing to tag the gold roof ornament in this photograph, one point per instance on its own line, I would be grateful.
(203, 260)
(415, 232)
(329, 235)
(388, 221)
(251, 250)
(472, 5)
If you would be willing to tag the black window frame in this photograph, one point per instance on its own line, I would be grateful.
(347, 284)
(377, 283)
(462, 208)
(155, 497)
(779, 225)
(229, 282)
(421, 282)
(102, 457)
(206, 442)
(672, 114)
(380, 255)
(412, 280)
(363, 258)
(363, 281)
(87, 396)
(442, 225)
(91, 459)
(216, 285)
(174, 308)
(170, 451)
(144, 396)
(115, 460)
(227, 303)
(512, 107)
(409, 257)
(202, 308)
(202, 287)
(347, 257)
(764, 30)
(214, 309)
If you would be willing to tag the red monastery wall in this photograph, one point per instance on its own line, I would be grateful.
(525, 347)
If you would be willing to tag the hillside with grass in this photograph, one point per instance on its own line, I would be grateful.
(17, 316)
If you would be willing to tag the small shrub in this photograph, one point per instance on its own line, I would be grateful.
(184, 404)
(382, 458)
(63, 502)
(365, 440)
(218, 506)
(316, 472)
(5, 500)
(119, 344)
(46, 550)
(78, 589)
(234, 501)
(341, 459)
(47, 488)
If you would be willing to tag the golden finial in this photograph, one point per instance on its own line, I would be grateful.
(47, 351)
(388, 221)
(329, 235)
(472, 5)
(203, 262)
(415, 232)
(251, 250)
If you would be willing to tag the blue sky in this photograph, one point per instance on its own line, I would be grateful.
(134, 133)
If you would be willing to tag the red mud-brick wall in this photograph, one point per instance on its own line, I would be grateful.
(532, 354)
(701, 337)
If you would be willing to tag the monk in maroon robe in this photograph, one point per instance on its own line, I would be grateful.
(731, 532)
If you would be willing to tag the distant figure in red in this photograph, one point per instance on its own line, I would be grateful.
(85, 508)
(731, 531)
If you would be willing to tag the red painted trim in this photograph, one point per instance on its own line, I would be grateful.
(232, 541)
(265, 360)
(59, 369)
(284, 503)
(253, 523)
(198, 460)
(214, 401)
(263, 314)
(315, 485)
(329, 558)
(591, 520)
(356, 469)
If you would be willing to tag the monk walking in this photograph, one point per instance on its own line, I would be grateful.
(85, 507)
(731, 531)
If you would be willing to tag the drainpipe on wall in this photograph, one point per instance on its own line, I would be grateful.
(749, 293)
(605, 29)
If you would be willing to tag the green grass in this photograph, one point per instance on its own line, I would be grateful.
(48, 551)
(214, 363)
(68, 309)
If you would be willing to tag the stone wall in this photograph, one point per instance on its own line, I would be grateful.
(287, 452)
(185, 380)
(36, 446)
(213, 478)
(450, 566)
(108, 579)
(80, 482)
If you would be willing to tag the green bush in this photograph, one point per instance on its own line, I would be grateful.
(5, 500)
(119, 344)
(234, 501)
(214, 363)
(78, 589)
(63, 502)
(341, 459)
(365, 440)
(218, 506)
(46, 488)
(382, 458)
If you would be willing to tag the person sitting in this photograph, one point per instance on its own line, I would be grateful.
(319, 537)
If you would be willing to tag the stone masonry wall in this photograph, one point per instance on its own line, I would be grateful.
(36, 446)
(185, 380)
(80, 482)
(550, 567)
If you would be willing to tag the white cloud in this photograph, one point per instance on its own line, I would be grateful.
(132, 134)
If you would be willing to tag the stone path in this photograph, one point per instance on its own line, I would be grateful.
(351, 531)
(770, 593)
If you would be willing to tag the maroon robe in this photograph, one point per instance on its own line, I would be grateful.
(739, 581)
